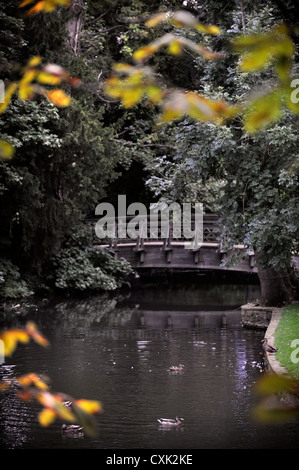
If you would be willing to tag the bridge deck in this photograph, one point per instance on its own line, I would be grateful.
(175, 256)
(170, 252)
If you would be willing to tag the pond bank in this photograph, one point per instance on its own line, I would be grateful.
(273, 364)
(266, 318)
(258, 317)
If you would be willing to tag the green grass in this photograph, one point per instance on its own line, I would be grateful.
(287, 331)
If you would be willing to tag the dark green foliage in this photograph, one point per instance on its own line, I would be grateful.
(11, 283)
(80, 266)
(12, 41)
(29, 200)
(64, 159)
(67, 161)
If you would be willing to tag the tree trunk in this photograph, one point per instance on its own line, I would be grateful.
(277, 287)
(75, 24)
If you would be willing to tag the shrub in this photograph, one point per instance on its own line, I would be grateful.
(81, 266)
(11, 284)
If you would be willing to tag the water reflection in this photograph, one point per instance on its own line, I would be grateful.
(120, 351)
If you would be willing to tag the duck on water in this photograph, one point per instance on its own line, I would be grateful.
(171, 422)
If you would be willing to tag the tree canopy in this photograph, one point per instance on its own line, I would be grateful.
(220, 78)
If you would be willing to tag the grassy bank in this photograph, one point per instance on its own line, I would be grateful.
(287, 331)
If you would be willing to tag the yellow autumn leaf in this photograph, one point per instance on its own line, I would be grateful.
(175, 107)
(50, 5)
(34, 61)
(11, 339)
(44, 5)
(13, 336)
(40, 6)
(33, 332)
(122, 68)
(113, 87)
(28, 77)
(41, 384)
(10, 344)
(278, 34)
(131, 97)
(90, 406)
(27, 380)
(48, 78)
(59, 98)
(86, 419)
(186, 19)
(46, 399)
(6, 150)
(135, 78)
(56, 70)
(26, 92)
(144, 52)
(24, 3)
(208, 29)
(54, 402)
(262, 111)
(4, 386)
(244, 43)
(182, 19)
(255, 60)
(156, 19)
(259, 50)
(206, 109)
(46, 417)
(155, 94)
(175, 47)
(32, 379)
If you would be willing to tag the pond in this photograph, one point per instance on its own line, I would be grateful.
(118, 350)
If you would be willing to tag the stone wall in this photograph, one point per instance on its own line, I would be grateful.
(256, 317)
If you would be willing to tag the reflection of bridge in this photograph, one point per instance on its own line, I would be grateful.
(153, 324)
(169, 252)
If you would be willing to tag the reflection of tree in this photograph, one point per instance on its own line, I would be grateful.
(87, 313)
(68, 313)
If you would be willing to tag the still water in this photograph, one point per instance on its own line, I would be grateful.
(119, 351)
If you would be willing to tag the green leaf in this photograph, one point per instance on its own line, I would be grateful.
(274, 383)
(86, 420)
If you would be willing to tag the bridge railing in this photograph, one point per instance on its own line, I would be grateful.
(170, 236)
(163, 231)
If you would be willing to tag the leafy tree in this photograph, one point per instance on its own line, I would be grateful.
(64, 158)
(259, 200)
